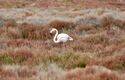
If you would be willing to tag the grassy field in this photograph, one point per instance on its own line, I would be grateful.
(27, 50)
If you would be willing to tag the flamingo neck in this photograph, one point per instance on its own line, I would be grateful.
(54, 39)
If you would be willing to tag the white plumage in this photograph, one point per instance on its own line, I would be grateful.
(62, 37)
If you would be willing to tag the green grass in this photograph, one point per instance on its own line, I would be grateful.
(6, 59)
(66, 61)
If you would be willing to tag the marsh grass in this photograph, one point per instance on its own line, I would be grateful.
(6, 59)
(95, 42)
(65, 61)
(13, 4)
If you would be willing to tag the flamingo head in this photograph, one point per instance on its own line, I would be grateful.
(53, 29)
(70, 38)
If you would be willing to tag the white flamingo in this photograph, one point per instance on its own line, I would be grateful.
(62, 37)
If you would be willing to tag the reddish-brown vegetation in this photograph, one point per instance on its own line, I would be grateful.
(58, 24)
(27, 51)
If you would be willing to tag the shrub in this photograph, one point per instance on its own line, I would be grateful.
(84, 29)
(92, 72)
(66, 61)
(13, 33)
(15, 57)
(97, 38)
(58, 24)
(111, 62)
(1, 22)
(119, 23)
(30, 31)
(10, 23)
(106, 20)
(6, 59)
(88, 20)
(21, 55)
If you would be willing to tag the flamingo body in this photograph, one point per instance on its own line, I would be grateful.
(62, 37)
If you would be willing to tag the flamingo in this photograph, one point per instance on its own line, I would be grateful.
(62, 37)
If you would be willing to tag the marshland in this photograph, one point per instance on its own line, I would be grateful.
(28, 52)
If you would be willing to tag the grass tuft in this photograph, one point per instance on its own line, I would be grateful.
(5, 59)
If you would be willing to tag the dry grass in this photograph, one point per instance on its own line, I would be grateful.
(58, 24)
(27, 51)
(34, 32)
(13, 4)
(92, 73)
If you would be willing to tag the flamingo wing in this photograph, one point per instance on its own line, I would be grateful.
(63, 37)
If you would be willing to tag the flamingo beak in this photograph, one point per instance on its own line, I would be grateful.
(71, 39)
(50, 31)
